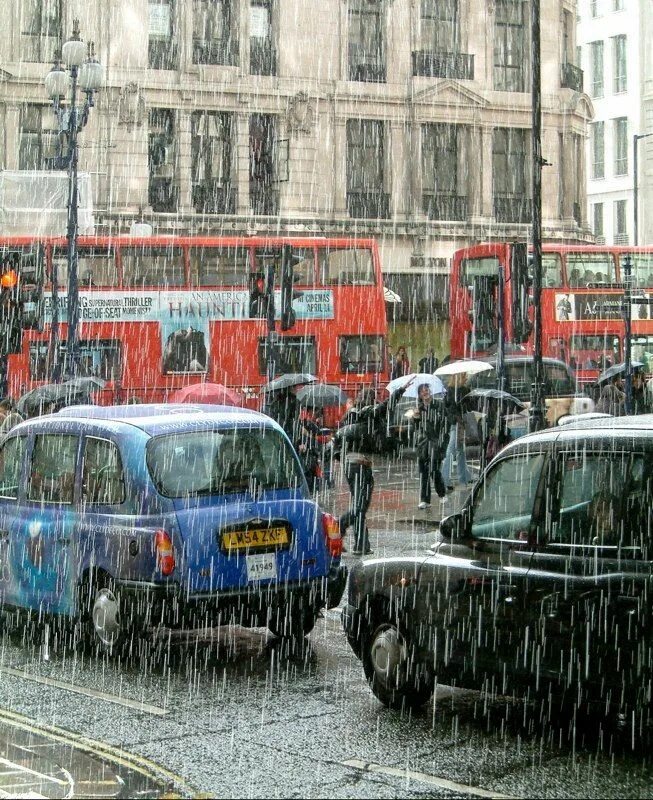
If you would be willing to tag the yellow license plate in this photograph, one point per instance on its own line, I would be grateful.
(255, 538)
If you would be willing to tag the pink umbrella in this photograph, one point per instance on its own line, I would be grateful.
(212, 393)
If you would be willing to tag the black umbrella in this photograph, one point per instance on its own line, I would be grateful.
(286, 381)
(70, 393)
(617, 369)
(319, 395)
(505, 398)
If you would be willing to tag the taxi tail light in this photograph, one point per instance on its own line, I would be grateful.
(165, 553)
(331, 529)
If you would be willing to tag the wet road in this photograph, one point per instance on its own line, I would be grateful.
(236, 715)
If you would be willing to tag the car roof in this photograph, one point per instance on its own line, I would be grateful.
(588, 431)
(155, 418)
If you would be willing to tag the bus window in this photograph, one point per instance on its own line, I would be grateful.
(219, 266)
(586, 268)
(551, 270)
(98, 358)
(304, 268)
(471, 268)
(593, 351)
(153, 266)
(95, 267)
(346, 267)
(642, 268)
(361, 353)
(642, 350)
(294, 354)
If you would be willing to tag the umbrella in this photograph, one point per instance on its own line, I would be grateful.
(212, 393)
(470, 367)
(505, 398)
(286, 381)
(617, 369)
(416, 379)
(389, 296)
(319, 395)
(73, 392)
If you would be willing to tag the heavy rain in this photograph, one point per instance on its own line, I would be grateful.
(326, 398)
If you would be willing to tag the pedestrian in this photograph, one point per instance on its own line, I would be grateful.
(401, 364)
(612, 399)
(9, 416)
(641, 394)
(431, 443)
(457, 390)
(283, 406)
(360, 480)
(429, 363)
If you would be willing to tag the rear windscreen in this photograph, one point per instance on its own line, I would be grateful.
(222, 462)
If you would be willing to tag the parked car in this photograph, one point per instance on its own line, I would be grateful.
(562, 393)
(540, 586)
(127, 518)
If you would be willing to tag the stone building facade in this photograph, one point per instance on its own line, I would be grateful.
(405, 120)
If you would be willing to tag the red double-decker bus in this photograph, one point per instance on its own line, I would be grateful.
(582, 318)
(160, 312)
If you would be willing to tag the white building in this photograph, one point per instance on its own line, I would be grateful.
(614, 38)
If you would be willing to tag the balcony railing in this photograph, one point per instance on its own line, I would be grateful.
(214, 51)
(444, 206)
(571, 77)
(210, 197)
(368, 205)
(366, 66)
(262, 57)
(163, 195)
(435, 64)
(513, 209)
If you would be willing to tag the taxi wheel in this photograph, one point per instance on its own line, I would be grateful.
(396, 676)
(292, 620)
(106, 627)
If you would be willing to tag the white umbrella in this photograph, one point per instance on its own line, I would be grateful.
(389, 296)
(416, 379)
(471, 367)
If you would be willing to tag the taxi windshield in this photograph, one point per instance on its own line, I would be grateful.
(222, 462)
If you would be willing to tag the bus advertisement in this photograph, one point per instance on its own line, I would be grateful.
(158, 313)
(581, 303)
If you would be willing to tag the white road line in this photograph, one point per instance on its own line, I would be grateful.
(423, 777)
(72, 687)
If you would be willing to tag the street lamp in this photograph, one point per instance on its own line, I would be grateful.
(77, 66)
(636, 138)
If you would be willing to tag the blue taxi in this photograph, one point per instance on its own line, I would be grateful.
(123, 519)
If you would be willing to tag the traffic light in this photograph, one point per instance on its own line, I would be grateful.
(520, 282)
(288, 293)
(10, 306)
(258, 296)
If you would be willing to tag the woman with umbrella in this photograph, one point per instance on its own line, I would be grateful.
(431, 443)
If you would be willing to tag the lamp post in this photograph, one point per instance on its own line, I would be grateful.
(77, 67)
(636, 138)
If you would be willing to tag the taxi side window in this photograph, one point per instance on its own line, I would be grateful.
(11, 466)
(503, 506)
(102, 475)
(52, 472)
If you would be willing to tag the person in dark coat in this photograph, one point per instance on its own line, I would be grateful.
(401, 364)
(283, 407)
(453, 403)
(613, 399)
(641, 395)
(429, 363)
(360, 479)
(431, 443)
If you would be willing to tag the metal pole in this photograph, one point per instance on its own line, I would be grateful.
(538, 410)
(635, 197)
(72, 345)
(627, 314)
(272, 336)
(501, 349)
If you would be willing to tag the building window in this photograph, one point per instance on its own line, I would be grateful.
(263, 190)
(212, 162)
(41, 29)
(439, 26)
(618, 5)
(511, 174)
(38, 138)
(262, 54)
(366, 169)
(620, 224)
(163, 191)
(214, 37)
(597, 136)
(162, 48)
(510, 51)
(596, 57)
(440, 160)
(594, 8)
(366, 40)
(620, 82)
(621, 146)
(597, 217)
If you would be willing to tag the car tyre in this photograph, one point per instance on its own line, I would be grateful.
(397, 677)
(292, 620)
(106, 626)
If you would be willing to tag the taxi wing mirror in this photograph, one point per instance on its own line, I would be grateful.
(455, 527)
